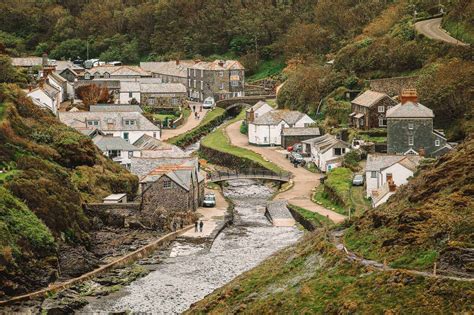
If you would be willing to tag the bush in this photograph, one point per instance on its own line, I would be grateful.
(244, 128)
(351, 160)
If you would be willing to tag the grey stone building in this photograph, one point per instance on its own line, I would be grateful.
(410, 129)
(219, 79)
(169, 71)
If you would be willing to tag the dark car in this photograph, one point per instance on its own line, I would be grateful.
(297, 158)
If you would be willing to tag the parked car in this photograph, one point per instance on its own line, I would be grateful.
(358, 180)
(297, 158)
(209, 200)
(297, 147)
(209, 103)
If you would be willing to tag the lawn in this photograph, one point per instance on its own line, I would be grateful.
(316, 218)
(339, 182)
(212, 114)
(267, 69)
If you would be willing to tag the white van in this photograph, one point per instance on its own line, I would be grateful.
(209, 103)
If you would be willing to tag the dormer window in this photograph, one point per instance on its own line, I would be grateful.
(106, 75)
(92, 123)
(130, 122)
(96, 75)
(87, 76)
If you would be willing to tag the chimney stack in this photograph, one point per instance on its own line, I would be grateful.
(221, 63)
(409, 95)
(177, 62)
(45, 61)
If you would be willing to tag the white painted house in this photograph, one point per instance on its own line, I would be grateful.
(326, 151)
(46, 96)
(257, 110)
(117, 149)
(266, 129)
(128, 125)
(129, 90)
(384, 173)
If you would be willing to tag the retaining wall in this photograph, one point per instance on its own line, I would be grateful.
(308, 225)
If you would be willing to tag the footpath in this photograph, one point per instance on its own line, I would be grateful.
(190, 123)
(304, 181)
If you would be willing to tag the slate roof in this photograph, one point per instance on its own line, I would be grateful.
(108, 121)
(62, 65)
(115, 108)
(106, 143)
(129, 86)
(302, 131)
(378, 162)
(141, 166)
(57, 77)
(369, 98)
(276, 116)
(168, 67)
(162, 88)
(119, 70)
(214, 65)
(27, 61)
(154, 148)
(109, 83)
(258, 105)
(50, 90)
(326, 142)
(410, 110)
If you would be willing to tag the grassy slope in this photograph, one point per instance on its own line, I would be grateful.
(312, 277)
(430, 219)
(267, 69)
(219, 140)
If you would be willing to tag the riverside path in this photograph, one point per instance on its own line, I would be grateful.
(304, 180)
(190, 123)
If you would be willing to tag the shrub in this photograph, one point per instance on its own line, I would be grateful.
(351, 160)
(244, 128)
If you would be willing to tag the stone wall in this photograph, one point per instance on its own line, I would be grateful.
(392, 86)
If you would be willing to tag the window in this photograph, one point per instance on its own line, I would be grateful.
(234, 72)
(96, 75)
(194, 83)
(221, 74)
(202, 73)
(411, 140)
(130, 94)
(167, 184)
(337, 151)
(234, 83)
(113, 154)
(194, 72)
(222, 86)
(106, 75)
(265, 140)
(373, 174)
(202, 85)
(437, 143)
(189, 82)
(154, 134)
(130, 122)
(410, 126)
(93, 123)
(388, 107)
(151, 101)
(125, 136)
(130, 154)
(87, 76)
(382, 122)
(174, 101)
(381, 109)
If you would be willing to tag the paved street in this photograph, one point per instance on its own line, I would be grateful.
(188, 125)
(211, 217)
(304, 180)
(432, 29)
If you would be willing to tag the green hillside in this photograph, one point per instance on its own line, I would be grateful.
(430, 220)
(50, 171)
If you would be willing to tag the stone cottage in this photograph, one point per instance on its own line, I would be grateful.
(410, 128)
(369, 110)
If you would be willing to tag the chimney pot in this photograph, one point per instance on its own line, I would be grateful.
(408, 95)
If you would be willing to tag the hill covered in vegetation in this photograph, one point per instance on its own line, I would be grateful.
(50, 171)
(430, 220)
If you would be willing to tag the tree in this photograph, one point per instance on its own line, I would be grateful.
(70, 49)
(93, 94)
(8, 73)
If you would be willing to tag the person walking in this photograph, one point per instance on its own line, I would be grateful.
(196, 226)
(194, 108)
(201, 224)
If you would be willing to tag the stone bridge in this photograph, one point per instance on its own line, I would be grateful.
(221, 176)
(245, 101)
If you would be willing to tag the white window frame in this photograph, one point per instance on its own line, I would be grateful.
(202, 73)
(221, 87)
(93, 123)
(234, 83)
(411, 140)
(437, 143)
(194, 83)
(202, 85)
(411, 126)
(381, 109)
(167, 184)
(381, 122)
(130, 122)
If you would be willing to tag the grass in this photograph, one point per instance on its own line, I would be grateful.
(272, 102)
(163, 117)
(314, 217)
(2, 110)
(4, 176)
(339, 181)
(321, 197)
(373, 139)
(267, 69)
(461, 31)
(212, 114)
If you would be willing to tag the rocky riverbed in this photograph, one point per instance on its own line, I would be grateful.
(186, 272)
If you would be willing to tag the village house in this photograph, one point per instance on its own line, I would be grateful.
(291, 136)
(218, 79)
(410, 129)
(154, 148)
(369, 110)
(60, 84)
(128, 125)
(384, 173)
(115, 72)
(129, 92)
(266, 129)
(115, 108)
(326, 151)
(117, 149)
(163, 95)
(257, 110)
(173, 187)
(46, 96)
(169, 71)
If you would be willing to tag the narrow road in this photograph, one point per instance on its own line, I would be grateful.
(304, 180)
(432, 29)
(190, 123)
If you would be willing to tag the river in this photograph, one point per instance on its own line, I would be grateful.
(188, 272)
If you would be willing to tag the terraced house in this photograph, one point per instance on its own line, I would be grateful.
(218, 79)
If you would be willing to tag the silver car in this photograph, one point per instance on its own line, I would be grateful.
(358, 180)
(209, 200)
(209, 103)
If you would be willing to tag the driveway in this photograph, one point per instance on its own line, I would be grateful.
(304, 180)
(432, 29)
(190, 123)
